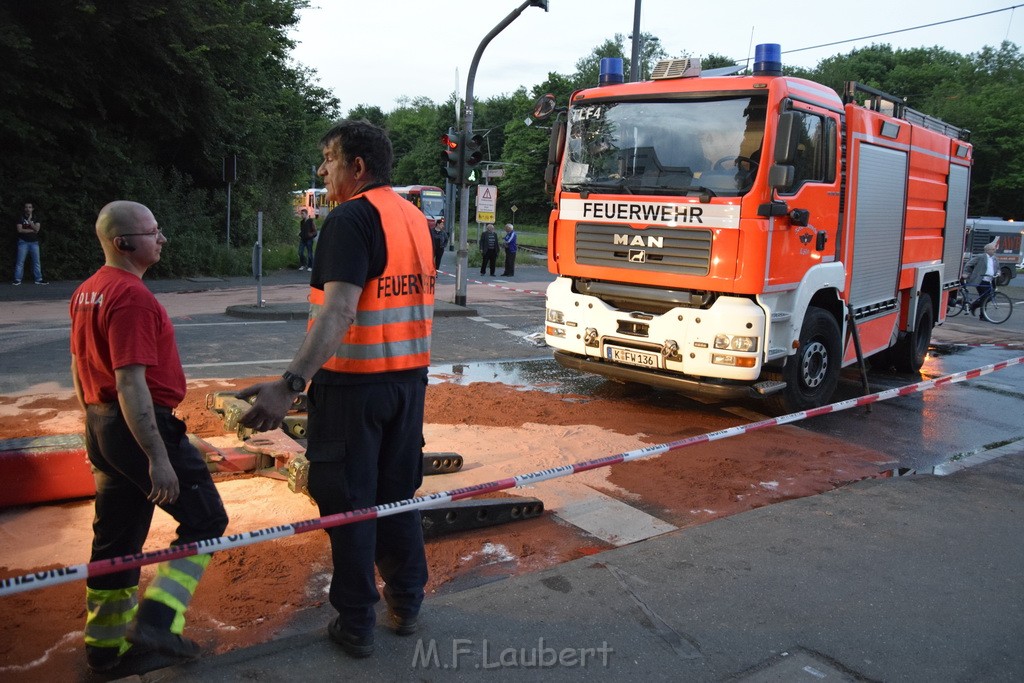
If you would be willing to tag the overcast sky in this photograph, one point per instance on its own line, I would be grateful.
(378, 51)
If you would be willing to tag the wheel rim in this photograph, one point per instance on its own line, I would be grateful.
(814, 364)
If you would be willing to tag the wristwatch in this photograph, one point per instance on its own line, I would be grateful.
(295, 383)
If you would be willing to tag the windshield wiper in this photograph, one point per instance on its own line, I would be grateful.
(613, 184)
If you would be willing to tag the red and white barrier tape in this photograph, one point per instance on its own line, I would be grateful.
(495, 285)
(51, 577)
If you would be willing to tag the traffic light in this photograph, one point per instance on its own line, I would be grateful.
(451, 167)
(473, 155)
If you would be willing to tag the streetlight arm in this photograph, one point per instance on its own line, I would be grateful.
(467, 123)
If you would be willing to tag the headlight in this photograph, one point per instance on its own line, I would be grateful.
(553, 316)
(728, 342)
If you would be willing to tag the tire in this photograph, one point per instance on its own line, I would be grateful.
(998, 308)
(1005, 275)
(911, 350)
(811, 375)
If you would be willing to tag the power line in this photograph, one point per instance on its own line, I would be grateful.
(902, 30)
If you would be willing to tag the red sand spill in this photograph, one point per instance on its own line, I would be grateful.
(41, 630)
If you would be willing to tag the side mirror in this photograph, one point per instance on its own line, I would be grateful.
(780, 176)
(556, 145)
(787, 137)
(544, 107)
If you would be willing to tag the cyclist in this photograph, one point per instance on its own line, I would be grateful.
(980, 272)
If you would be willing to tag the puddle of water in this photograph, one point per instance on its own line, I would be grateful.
(534, 374)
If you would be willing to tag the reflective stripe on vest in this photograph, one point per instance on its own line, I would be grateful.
(393, 321)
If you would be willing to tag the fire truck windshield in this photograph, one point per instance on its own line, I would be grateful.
(710, 146)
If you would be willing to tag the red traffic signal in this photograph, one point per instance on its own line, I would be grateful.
(451, 157)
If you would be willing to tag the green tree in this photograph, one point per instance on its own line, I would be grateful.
(978, 92)
(106, 99)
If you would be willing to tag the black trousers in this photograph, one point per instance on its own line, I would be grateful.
(121, 470)
(490, 259)
(365, 447)
(510, 263)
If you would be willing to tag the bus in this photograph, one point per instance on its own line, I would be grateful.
(984, 229)
(428, 198)
(313, 200)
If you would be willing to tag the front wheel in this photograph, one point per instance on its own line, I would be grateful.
(811, 375)
(998, 308)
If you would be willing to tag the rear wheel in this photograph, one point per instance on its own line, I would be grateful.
(998, 308)
(1005, 275)
(910, 351)
(811, 375)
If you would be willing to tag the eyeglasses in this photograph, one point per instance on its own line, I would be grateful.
(156, 232)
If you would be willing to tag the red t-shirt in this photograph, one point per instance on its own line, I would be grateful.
(115, 322)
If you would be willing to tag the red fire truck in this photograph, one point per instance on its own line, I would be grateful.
(738, 235)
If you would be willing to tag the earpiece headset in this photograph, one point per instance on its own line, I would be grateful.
(123, 244)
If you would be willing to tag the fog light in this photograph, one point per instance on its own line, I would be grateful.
(735, 361)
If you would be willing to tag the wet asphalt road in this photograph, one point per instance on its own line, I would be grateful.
(493, 344)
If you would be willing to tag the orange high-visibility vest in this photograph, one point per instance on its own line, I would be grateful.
(395, 314)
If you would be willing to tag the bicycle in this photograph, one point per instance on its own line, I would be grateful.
(996, 308)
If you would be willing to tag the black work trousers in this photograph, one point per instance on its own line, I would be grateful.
(365, 447)
(121, 470)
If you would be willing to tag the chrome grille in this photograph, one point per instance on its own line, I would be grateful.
(680, 251)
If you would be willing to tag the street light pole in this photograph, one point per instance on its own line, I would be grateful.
(634, 62)
(462, 265)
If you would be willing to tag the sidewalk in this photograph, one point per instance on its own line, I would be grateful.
(909, 579)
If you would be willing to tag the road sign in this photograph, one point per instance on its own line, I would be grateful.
(493, 173)
(486, 203)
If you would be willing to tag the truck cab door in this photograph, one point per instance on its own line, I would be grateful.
(805, 210)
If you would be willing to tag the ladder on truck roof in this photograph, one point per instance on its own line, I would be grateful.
(900, 110)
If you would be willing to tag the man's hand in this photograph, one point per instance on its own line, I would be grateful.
(273, 400)
(165, 483)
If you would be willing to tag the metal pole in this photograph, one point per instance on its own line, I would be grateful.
(467, 130)
(634, 61)
(229, 213)
(259, 260)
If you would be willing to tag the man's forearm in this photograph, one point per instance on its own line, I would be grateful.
(337, 315)
(137, 407)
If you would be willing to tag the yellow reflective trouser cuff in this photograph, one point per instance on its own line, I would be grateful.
(108, 613)
(174, 585)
